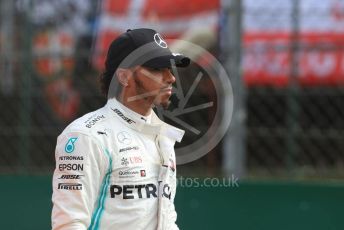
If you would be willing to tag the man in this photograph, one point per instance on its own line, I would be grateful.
(115, 167)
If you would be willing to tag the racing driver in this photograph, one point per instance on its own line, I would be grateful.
(115, 167)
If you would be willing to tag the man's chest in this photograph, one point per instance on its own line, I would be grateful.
(135, 156)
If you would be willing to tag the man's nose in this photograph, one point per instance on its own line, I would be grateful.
(169, 77)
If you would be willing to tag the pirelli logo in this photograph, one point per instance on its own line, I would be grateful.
(69, 186)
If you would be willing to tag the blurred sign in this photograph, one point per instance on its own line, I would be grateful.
(268, 42)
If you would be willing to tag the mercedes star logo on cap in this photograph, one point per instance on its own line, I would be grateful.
(158, 40)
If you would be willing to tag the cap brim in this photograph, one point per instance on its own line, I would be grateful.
(167, 61)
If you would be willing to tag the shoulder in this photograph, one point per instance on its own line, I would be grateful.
(88, 122)
(82, 136)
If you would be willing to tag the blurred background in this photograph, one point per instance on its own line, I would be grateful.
(285, 143)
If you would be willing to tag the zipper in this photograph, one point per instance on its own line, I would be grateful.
(159, 150)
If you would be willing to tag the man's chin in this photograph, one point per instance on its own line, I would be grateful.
(165, 103)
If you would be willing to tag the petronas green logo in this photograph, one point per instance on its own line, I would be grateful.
(69, 148)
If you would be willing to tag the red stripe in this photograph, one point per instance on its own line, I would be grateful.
(321, 65)
(167, 9)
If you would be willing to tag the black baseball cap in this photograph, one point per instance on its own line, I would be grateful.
(144, 47)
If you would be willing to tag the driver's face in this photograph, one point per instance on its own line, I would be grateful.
(154, 85)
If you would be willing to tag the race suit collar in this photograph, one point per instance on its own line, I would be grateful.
(134, 121)
(133, 114)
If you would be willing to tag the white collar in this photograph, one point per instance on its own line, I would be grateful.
(134, 121)
(133, 114)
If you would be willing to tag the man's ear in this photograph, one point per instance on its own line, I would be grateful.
(123, 76)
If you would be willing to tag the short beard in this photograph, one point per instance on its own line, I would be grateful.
(139, 87)
(164, 105)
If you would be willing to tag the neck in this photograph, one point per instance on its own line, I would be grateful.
(140, 106)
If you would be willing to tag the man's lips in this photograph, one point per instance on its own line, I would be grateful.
(167, 89)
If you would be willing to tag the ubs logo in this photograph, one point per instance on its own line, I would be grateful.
(124, 138)
(160, 41)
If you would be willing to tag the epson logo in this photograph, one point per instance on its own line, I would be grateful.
(121, 115)
(139, 191)
(69, 167)
(69, 186)
(71, 177)
(90, 122)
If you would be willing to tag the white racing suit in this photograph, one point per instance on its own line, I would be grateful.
(115, 171)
